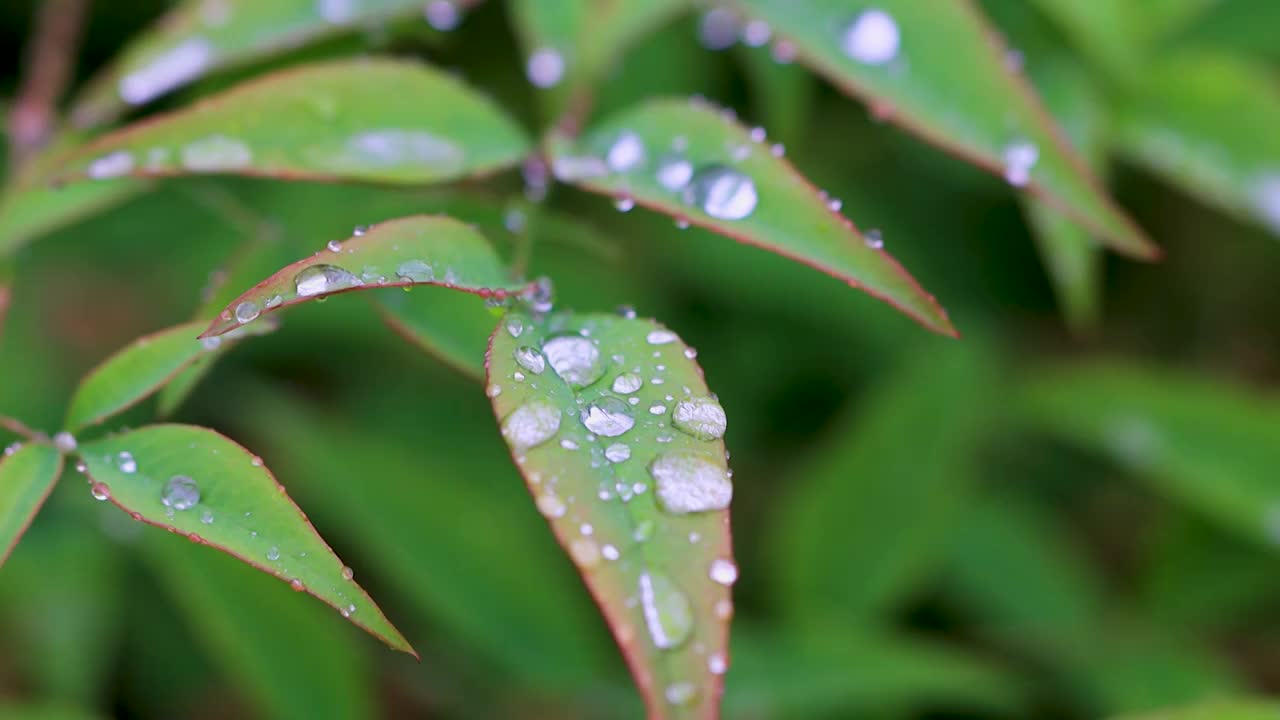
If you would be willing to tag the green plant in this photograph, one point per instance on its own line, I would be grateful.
(607, 416)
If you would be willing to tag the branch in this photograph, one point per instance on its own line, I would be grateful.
(47, 68)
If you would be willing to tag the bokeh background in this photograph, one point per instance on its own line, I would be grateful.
(1032, 521)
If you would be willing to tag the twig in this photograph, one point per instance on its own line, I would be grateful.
(47, 67)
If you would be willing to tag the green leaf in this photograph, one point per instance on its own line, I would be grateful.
(1236, 709)
(938, 70)
(1207, 124)
(827, 671)
(874, 509)
(33, 207)
(1067, 249)
(285, 652)
(1204, 444)
(419, 250)
(1143, 670)
(571, 44)
(1106, 32)
(449, 325)
(27, 476)
(783, 94)
(140, 369)
(193, 481)
(44, 711)
(632, 476)
(198, 38)
(363, 119)
(687, 160)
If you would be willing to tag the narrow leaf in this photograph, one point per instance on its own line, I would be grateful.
(284, 651)
(193, 481)
(198, 38)
(27, 476)
(938, 70)
(134, 373)
(363, 119)
(1207, 445)
(613, 428)
(1207, 124)
(419, 250)
(689, 161)
(1241, 709)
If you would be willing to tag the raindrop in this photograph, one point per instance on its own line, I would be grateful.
(575, 359)
(100, 491)
(723, 571)
(626, 153)
(717, 664)
(514, 325)
(415, 271)
(872, 38)
(628, 312)
(550, 505)
(660, 337)
(724, 609)
(625, 204)
(674, 172)
(359, 230)
(756, 33)
(274, 300)
(783, 52)
(321, 279)
(687, 482)
(617, 452)
(608, 417)
(180, 493)
(493, 390)
(531, 424)
(610, 552)
(348, 573)
(297, 585)
(112, 165)
(667, 613)
(568, 168)
(530, 359)
(627, 383)
(718, 29)
(1019, 157)
(721, 192)
(334, 246)
(273, 554)
(657, 409)
(873, 238)
(65, 441)
(442, 15)
(545, 68)
(206, 517)
(166, 71)
(247, 311)
(701, 417)
(568, 444)
(211, 343)
(542, 297)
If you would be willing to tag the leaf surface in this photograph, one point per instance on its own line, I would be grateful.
(195, 482)
(1233, 709)
(639, 503)
(27, 476)
(686, 160)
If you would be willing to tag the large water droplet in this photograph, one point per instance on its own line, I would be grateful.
(321, 279)
(166, 71)
(722, 193)
(674, 172)
(688, 482)
(701, 417)
(1019, 157)
(627, 383)
(415, 271)
(667, 614)
(531, 424)
(575, 359)
(872, 38)
(545, 68)
(608, 417)
(626, 153)
(247, 311)
(180, 493)
(530, 359)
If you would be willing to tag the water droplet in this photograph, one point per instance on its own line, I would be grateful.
(166, 71)
(626, 153)
(627, 383)
(701, 417)
(718, 29)
(273, 554)
(624, 204)
(657, 409)
(216, 153)
(1014, 60)
(545, 68)
(721, 192)
(660, 337)
(667, 614)
(873, 238)
(336, 11)
(206, 517)
(584, 552)
(493, 390)
(723, 571)
(297, 585)
(247, 311)
(608, 416)
(681, 694)
(274, 300)
(530, 359)
(334, 246)
(568, 444)
(687, 482)
(628, 312)
(395, 148)
(359, 230)
(531, 424)
(180, 493)
(610, 552)
(256, 461)
(872, 38)
(674, 172)
(717, 664)
(111, 165)
(617, 452)
(348, 573)
(100, 492)
(321, 279)
(575, 359)
(211, 343)
(442, 15)
(65, 441)
(756, 33)
(783, 52)
(1019, 157)
(550, 505)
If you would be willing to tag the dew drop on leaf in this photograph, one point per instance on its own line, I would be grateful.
(585, 552)
(617, 452)
(667, 613)
(721, 192)
(626, 153)
(545, 68)
(723, 571)
(180, 493)
(681, 694)
(701, 417)
(247, 311)
(1019, 157)
(100, 491)
(872, 38)
(65, 441)
(531, 424)
(608, 416)
(575, 359)
(126, 463)
(273, 554)
(441, 15)
(530, 359)
(320, 279)
(627, 383)
(674, 172)
(687, 482)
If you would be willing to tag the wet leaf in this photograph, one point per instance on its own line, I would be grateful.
(1207, 124)
(938, 70)
(631, 474)
(448, 325)
(364, 119)
(1241, 709)
(686, 160)
(1206, 445)
(201, 37)
(419, 250)
(27, 476)
(197, 483)
(140, 369)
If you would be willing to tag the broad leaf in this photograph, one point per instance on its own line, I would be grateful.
(938, 70)
(1209, 446)
(274, 645)
(449, 325)
(689, 161)
(193, 481)
(1136, 671)
(1207, 124)
(134, 373)
(417, 250)
(613, 428)
(364, 119)
(200, 37)
(27, 476)
(873, 510)
(1242, 709)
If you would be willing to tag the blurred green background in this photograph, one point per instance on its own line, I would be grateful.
(1028, 522)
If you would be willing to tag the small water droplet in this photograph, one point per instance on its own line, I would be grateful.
(169, 69)
(493, 390)
(415, 271)
(701, 417)
(542, 297)
(721, 192)
(624, 204)
(872, 38)
(65, 441)
(111, 165)
(100, 492)
(531, 424)
(1019, 157)
(610, 552)
(247, 311)
(657, 409)
(724, 609)
(723, 571)
(626, 153)
(319, 279)
(717, 664)
(627, 383)
(575, 359)
(660, 337)
(608, 416)
(297, 585)
(530, 359)
(667, 613)
(687, 482)
(206, 517)
(628, 312)
(617, 452)
(756, 33)
(873, 238)
(180, 493)
(216, 153)
(334, 246)
(359, 230)
(550, 505)
(674, 172)
(348, 573)
(273, 554)
(545, 68)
